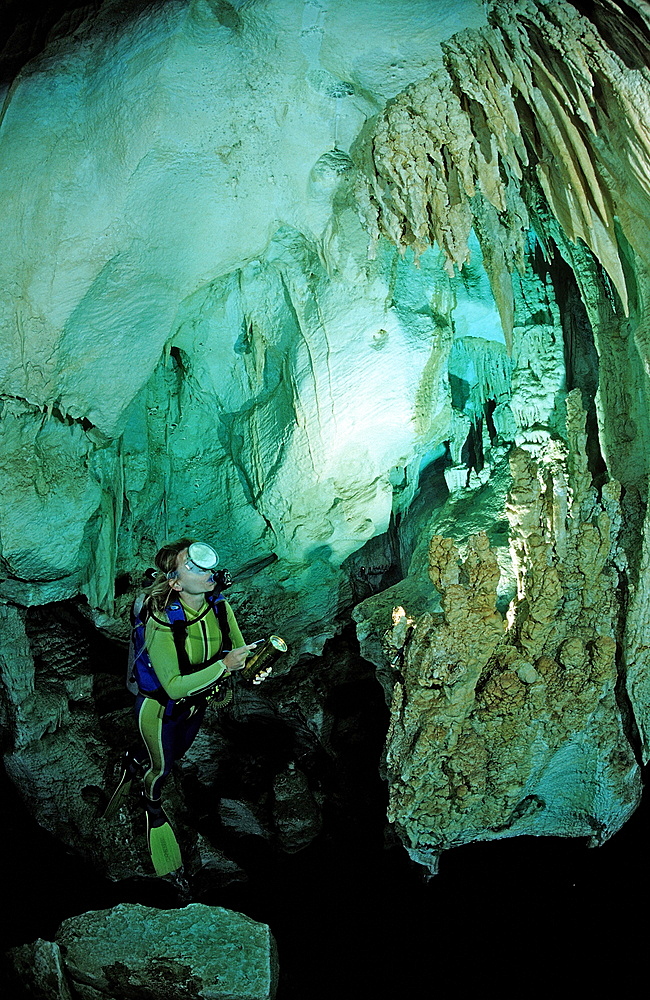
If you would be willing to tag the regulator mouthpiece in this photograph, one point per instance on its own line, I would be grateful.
(201, 557)
(221, 579)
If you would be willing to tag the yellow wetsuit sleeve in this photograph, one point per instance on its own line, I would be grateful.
(203, 641)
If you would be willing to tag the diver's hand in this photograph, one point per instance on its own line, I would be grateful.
(236, 659)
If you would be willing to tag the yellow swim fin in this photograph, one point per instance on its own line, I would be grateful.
(131, 768)
(163, 846)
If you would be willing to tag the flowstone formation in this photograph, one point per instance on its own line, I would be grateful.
(505, 726)
(194, 337)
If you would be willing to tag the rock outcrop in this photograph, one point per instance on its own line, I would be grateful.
(505, 726)
(196, 953)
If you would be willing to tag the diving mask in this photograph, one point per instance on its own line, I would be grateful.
(201, 557)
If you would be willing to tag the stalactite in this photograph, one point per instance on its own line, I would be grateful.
(536, 98)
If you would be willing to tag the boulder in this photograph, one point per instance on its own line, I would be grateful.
(196, 953)
(37, 971)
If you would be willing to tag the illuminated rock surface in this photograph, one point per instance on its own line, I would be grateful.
(507, 727)
(197, 952)
(196, 339)
(195, 299)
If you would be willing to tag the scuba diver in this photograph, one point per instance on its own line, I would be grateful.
(185, 642)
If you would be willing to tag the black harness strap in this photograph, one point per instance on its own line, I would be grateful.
(166, 622)
(224, 627)
(179, 635)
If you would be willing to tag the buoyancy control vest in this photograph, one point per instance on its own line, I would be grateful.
(141, 676)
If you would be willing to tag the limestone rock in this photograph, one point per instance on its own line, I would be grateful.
(498, 399)
(242, 818)
(216, 871)
(60, 757)
(40, 971)
(450, 153)
(191, 346)
(503, 727)
(196, 952)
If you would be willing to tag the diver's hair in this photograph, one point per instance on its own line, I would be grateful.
(158, 594)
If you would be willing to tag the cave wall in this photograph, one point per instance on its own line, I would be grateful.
(182, 294)
(535, 122)
(301, 279)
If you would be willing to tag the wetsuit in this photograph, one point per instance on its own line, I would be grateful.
(169, 728)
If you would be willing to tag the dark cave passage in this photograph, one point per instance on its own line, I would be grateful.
(351, 914)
